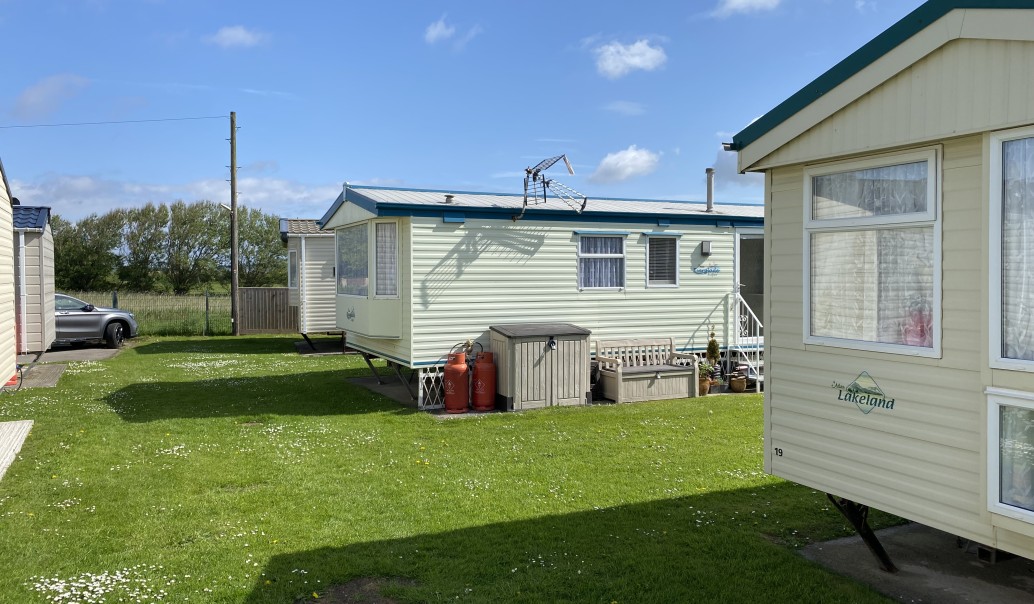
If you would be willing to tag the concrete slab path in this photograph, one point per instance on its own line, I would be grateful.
(12, 436)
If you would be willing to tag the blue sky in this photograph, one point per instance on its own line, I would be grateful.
(442, 95)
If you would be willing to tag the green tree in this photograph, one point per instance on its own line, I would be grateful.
(262, 257)
(86, 253)
(197, 245)
(144, 239)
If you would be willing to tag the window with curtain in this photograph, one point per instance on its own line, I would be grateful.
(601, 262)
(872, 256)
(292, 269)
(353, 275)
(662, 260)
(386, 262)
(1014, 221)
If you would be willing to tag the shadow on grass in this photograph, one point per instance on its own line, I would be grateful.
(222, 345)
(722, 546)
(310, 393)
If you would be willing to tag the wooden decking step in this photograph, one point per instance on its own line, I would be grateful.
(12, 435)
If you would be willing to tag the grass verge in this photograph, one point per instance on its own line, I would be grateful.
(234, 470)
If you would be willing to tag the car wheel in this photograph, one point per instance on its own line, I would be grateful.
(114, 335)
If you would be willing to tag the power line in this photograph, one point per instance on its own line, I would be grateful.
(165, 119)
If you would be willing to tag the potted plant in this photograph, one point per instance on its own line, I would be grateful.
(704, 371)
(737, 382)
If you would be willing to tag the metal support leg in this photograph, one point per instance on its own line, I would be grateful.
(405, 382)
(858, 516)
(367, 357)
(311, 345)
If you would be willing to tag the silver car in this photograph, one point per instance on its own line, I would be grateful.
(77, 321)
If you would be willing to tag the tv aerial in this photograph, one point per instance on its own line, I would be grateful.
(537, 186)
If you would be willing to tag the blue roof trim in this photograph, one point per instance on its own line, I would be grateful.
(424, 211)
(911, 24)
(662, 234)
(333, 210)
(454, 217)
(616, 233)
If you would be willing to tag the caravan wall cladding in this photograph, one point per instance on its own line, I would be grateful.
(457, 279)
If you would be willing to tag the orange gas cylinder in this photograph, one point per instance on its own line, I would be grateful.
(457, 393)
(484, 382)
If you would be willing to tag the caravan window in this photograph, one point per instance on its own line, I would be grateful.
(662, 261)
(1010, 489)
(1012, 249)
(353, 275)
(292, 269)
(601, 262)
(387, 261)
(872, 254)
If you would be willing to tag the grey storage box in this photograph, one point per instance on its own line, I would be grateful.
(540, 365)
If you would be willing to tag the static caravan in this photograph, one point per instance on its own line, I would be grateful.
(310, 274)
(8, 345)
(900, 283)
(421, 271)
(34, 278)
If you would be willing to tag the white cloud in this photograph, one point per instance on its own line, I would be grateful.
(727, 176)
(47, 95)
(236, 36)
(625, 107)
(438, 31)
(615, 59)
(726, 8)
(625, 164)
(472, 33)
(76, 196)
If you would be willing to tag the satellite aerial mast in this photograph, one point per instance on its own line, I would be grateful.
(536, 185)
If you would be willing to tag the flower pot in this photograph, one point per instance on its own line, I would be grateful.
(738, 383)
(705, 385)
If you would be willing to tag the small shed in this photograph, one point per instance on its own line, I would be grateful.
(899, 296)
(419, 271)
(310, 274)
(34, 278)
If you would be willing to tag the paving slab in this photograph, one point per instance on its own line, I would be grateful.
(12, 436)
(42, 375)
(933, 567)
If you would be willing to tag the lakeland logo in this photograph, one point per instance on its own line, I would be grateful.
(865, 393)
(350, 315)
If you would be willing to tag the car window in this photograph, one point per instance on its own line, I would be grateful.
(67, 303)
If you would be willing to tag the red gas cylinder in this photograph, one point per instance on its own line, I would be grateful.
(484, 382)
(457, 393)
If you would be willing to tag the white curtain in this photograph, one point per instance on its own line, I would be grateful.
(873, 283)
(884, 191)
(1018, 249)
(602, 262)
(387, 259)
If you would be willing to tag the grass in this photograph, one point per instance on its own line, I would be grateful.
(233, 470)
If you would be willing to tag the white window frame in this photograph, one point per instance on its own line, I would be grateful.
(678, 265)
(337, 262)
(623, 236)
(996, 399)
(997, 361)
(374, 258)
(292, 269)
(930, 218)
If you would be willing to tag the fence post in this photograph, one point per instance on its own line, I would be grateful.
(114, 298)
(208, 327)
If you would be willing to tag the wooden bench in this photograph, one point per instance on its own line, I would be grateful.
(645, 369)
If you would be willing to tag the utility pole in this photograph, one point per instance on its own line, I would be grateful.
(234, 305)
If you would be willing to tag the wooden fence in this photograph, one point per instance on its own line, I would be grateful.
(266, 310)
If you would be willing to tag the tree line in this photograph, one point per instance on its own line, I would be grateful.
(167, 248)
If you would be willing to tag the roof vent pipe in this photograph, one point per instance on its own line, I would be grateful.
(710, 189)
(448, 198)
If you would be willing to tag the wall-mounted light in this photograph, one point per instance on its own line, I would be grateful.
(705, 248)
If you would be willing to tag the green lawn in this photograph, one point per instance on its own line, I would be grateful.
(233, 470)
